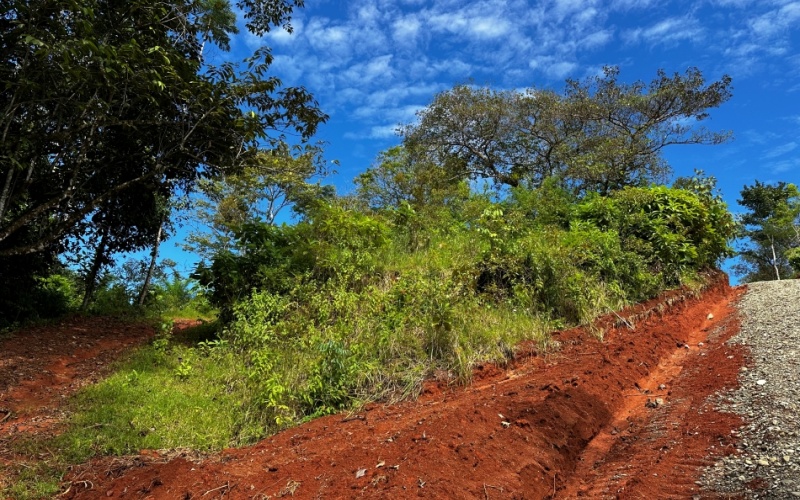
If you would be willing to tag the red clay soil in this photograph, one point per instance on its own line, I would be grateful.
(626, 417)
(40, 366)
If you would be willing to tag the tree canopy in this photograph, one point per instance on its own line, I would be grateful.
(257, 193)
(772, 228)
(100, 98)
(598, 135)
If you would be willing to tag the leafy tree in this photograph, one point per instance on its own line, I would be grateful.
(98, 98)
(772, 226)
(122, 224)
(103, 102)
(399, 176)
(599, 135)
(268, 184)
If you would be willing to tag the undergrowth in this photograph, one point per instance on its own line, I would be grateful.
(356, 304)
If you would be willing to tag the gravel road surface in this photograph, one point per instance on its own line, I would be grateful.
(767, 462)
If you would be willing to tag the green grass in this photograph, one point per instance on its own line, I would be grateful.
(34, 481)
(161, 396)
(149, 404)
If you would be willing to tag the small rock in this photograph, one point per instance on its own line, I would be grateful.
(763, 462)
(360, 473)
(761, 382)
(710, 316)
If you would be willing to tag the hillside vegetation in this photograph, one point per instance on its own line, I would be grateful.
(354, 304)
(500, 216)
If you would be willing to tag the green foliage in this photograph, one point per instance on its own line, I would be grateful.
(157, 400)
(401, 176)
(672, 229)
(110, 110)
(342, 243)
(350, 305)
(333, 242)
(256, 193)
(793, 256)
(35, 287)
(599, 135)
(98, 106)
(265, 263)
(170, 294)
(772, 231)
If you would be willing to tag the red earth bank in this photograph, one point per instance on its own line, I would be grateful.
(625, 417)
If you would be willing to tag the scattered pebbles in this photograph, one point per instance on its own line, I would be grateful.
(767, 461)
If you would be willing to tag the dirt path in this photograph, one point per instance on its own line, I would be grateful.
(40, 366)
(627, 417)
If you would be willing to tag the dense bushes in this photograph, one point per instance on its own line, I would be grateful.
(675, 230)
(355, 304)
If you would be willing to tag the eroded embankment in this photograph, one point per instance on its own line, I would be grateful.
(567, 424)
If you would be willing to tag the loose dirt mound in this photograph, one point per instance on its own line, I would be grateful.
(621, 418)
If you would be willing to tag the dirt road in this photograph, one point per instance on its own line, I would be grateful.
(627, 416)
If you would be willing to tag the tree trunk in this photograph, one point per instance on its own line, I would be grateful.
(151, 269)
(774, 259)
(97, 264)
(6, 192)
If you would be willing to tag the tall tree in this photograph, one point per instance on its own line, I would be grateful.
(399, 176)
(598, 135)
(100, 96)
(772, 229)
(268, 184)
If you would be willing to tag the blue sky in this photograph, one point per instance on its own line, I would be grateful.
(373, 63)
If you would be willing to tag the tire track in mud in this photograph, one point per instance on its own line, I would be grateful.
(41, 366)
(658, 450)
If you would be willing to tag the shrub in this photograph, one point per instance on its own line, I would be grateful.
(674, 230)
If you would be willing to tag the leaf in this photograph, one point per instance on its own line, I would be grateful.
(33, 41)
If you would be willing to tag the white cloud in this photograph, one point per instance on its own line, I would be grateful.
(380, 61)
(631, 4)
(596, 39)
(289, 67)
(781, 150)
(281, 36)
(376, 132)
(668, 31)
(788, 165)
(470, 23)
(732, 3)
(776, 21)
(383, 132)
(406, 30)
(564, 8)
(375, 70)
(557, 70)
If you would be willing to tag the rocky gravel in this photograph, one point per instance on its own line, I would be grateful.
(767, 461)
